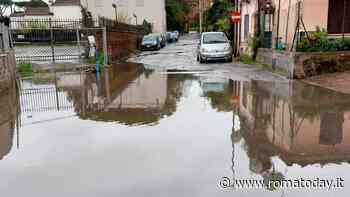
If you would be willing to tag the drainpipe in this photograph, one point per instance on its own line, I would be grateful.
(343, 28)
(287, 25)
(200, 16)
(236, 28)
(278, 23)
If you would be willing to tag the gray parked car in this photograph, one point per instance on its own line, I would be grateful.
(151, 42)
(214, 46)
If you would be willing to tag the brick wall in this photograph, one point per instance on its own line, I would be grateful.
(119, 44)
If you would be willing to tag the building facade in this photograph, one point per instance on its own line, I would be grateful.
(67, 9)
(279, 19)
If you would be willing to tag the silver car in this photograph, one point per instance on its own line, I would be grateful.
(214, 46)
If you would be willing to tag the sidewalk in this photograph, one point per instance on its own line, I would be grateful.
(339, 82)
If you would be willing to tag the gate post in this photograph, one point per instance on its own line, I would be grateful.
(52, 41)
(105, 50)
(78, 43)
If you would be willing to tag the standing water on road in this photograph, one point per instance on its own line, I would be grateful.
(132, 131)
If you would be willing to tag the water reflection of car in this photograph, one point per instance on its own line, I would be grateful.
(151, 42)
(214, 46)
(213, 84)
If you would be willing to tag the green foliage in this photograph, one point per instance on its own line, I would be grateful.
(92, 60)
(25, 69)
(177, 12)
(246, 59)
(218, 16)
(223, 24)
(147, 27)
(253, 43)
(87, 19)
(319, 41)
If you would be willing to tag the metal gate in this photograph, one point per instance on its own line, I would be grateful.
(52, 40)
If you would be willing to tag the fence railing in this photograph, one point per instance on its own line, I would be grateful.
(54, 39)
(46, 23)
(44, 99)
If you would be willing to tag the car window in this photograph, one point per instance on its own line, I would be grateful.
(214, 38)
(148, 38)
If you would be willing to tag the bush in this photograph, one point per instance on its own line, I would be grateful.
(319, 41)
(25, 68)
(246, 59)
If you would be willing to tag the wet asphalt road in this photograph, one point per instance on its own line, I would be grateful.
(182, 56)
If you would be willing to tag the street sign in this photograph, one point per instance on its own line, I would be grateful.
(235, 17)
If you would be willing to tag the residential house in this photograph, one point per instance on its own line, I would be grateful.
(31, 12)
(70, 9)
(279, 19)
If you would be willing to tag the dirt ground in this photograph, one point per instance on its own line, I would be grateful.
(335, 81)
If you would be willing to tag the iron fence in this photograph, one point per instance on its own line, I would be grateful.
(53, 44)
(52, 39)
(46, 23)
(44, 99)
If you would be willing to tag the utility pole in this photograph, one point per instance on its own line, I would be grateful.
(115, 11)
(200, 16)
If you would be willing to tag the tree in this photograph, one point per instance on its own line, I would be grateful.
(4, 6)
(32, 3)
(177, 12)
(218, 16)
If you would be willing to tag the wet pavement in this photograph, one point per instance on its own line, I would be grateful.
(182, 56)
(133, 131)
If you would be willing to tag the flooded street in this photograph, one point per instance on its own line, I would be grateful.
(133, 131)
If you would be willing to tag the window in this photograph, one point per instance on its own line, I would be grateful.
(122, 3)
(214, 38)
(339, 16)
(268, 22)
(140, 3)
(246, 26)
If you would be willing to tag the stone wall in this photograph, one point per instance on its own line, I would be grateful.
(8, 109)
(119, 44)
(278, 60)
(316, 63)
(7, 69)
(302, 65)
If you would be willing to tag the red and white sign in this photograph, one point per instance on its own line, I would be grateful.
(235, 17)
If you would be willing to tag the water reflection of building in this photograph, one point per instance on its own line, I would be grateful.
(299, 123)
(126, 93)
(8, 115)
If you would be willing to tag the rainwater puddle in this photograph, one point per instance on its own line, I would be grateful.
(137, 132)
